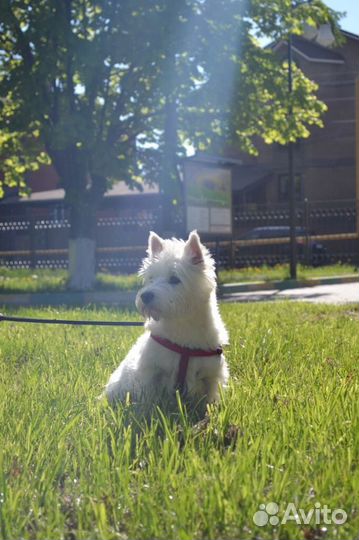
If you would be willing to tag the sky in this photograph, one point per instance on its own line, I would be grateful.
(350, 21)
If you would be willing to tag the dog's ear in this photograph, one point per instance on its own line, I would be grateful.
(155, 244)
(193, 248)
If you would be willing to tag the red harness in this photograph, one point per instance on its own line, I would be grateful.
(185, 353)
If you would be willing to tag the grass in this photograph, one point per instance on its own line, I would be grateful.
(45, 280)
(75, 469)
(281, 272)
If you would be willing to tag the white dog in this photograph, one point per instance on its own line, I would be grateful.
(181, 348)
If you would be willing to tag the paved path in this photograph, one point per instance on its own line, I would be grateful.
(328, 294)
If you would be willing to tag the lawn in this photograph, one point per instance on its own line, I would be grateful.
(281, 272)
(286, 431)
(46, 280)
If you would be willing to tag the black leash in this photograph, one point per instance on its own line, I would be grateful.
(66, 321)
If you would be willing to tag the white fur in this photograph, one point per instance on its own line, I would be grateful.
(185, 313)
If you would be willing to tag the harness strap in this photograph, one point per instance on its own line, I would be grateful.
(185, 353)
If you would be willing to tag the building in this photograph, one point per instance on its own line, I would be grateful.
(325, 162)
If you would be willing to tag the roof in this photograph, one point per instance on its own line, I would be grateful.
(117, 190)
(201, 157)
(349, 34)
(313, 52)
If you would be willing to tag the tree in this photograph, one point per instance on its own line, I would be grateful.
(116, 89)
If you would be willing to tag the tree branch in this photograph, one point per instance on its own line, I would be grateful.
(104, 108)
(22, 43)
(69, 59)
(113, 128)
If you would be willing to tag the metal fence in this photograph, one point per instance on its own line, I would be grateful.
(326, 233)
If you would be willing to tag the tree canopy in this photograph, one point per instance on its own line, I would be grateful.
(111, 90)
(89, 80)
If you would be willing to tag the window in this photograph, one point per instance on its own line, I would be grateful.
(283, 187)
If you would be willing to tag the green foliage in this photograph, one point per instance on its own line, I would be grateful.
(72, 468)
(90, 85)
(283, 17)
(19, 155)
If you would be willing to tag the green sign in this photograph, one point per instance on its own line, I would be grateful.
(208, 198)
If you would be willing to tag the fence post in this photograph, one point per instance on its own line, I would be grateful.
(231, 254)
(216, 256)
(32, 242)
(307, 231)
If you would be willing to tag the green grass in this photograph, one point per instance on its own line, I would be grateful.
(72, 468)
(281, 272)
(46, 280)
(29, 281)
(41, 280)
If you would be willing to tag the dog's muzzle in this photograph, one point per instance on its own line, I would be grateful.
(147, 297)
(145, 305)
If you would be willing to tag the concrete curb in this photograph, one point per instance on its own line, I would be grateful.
(126, 299)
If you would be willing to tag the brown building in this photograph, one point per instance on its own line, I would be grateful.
(325, 162)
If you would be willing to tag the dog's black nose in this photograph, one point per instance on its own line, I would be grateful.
(147, 297)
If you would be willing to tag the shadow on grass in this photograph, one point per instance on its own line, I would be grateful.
(177, 421)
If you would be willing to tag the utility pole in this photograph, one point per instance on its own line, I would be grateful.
(357, 154)
(291, 177)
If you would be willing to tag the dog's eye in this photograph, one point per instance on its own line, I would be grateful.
(174, 280)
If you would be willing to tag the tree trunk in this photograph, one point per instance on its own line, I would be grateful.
(82, 263)
(82, 246)
(83, 194)
(169, 178)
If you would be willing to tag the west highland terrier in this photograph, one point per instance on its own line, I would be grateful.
(181, 348)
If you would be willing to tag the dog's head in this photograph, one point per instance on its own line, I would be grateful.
(178, 277)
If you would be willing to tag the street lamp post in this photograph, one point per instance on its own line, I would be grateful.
(324, 37)
(291, 177)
